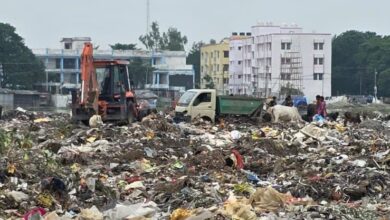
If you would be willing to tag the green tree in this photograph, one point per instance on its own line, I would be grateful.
(21, 68)
(140, 72)
(119, 46)
(171, 40)
(153, 39)
(348, 67)
(383, 83)
(193, 58)
(209, 82)
(356, 58)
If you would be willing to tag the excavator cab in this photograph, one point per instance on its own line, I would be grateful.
(105, 90)
(112, 79)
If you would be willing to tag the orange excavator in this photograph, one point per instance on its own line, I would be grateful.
(105, 90)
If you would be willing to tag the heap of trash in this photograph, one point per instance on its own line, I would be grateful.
(51, 168)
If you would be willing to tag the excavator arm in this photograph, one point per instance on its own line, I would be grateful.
(89, 86)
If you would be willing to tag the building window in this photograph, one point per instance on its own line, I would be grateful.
(269, 46)
(268, 62)
(285, 76)
(318, 46)
(239, 62)
(68, 63)
(58, 63)
(68, 46)
(286, 46)
(239, 48)
(318, 60)
(318, 76)
(239, 76)
(54, 77)
(225, 53)
(225, 67)
(217, 67)
(286, 60)
(225, 81)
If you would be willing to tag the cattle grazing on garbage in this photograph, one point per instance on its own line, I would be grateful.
(333, 116)
(95, 121)
(352, 118)
(284, 113)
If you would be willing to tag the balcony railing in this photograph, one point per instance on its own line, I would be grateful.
(110, 53)
(172, 67)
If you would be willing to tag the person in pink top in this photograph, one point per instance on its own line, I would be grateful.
(321, 110)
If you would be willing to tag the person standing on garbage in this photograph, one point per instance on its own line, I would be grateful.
(321, 107)
(288, 101)
(318, 102)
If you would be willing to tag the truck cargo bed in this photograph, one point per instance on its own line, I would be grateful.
(238, 105)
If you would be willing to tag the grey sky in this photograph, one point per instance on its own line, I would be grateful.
(42, 23)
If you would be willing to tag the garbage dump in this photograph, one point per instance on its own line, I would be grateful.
(157, 169)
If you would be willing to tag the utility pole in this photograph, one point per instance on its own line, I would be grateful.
(147, 15)
(266, 80)
(375, 87)
(360, 78)
(223, 82)
(1, 75)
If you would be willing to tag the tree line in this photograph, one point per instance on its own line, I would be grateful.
(356, 57)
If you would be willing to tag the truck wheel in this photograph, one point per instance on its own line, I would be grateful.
(205, 118)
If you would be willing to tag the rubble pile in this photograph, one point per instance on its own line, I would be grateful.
(51, 168)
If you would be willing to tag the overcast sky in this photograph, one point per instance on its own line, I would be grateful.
(42, 23)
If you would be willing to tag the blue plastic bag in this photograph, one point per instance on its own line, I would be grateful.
(318, 118)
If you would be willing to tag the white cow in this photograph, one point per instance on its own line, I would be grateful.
(95, 121)
(284, 113)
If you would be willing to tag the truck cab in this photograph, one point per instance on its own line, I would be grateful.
(197, 103)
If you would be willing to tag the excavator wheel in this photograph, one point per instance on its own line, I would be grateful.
(130, 112)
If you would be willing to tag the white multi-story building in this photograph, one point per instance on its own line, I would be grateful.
(238, 83)
(171, 74)
(281, 60)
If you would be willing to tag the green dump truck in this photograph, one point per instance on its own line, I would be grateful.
(206, 104)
